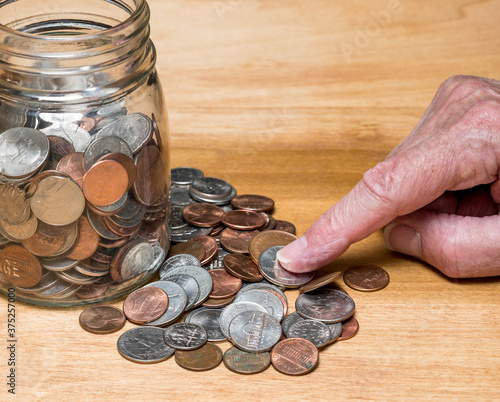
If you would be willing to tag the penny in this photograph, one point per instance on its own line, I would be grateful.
(185, 336)
(48, 279)
(327, 305)
(205, 358)
(42, 245)
(177, 301)
(190, 286)
(242, 266)
(179, 260)
(217, 230)
(224, 284)
(22, 231)
(210, 246)
(193, 248)
(242, 362)
(103, 146)
(150, 176)
(145, 305)
(105, 182)
(254, 331)
(285, 226)
(209, 320)
(218, 303)
(15, 207)
(92, 292)
(102, 319)
(58, 148)
(202, 214)
(135, 129)
(252, 202)
(87, 243)
(267, 239)
(243, 220)
(144, 345)
(350, 328)
(237, 241)
(126, 162)
(19, 266)
(233, 310)
(294, 356)
(72, 165)
(185, 175)
(366, 278)
(319, 280)
(268, 300)
(312, 330)
(57, 201)
(77, 136)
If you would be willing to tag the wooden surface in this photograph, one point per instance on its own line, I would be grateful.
(295, 100)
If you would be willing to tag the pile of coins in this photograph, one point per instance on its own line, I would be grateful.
(84, 205)
(233, 292)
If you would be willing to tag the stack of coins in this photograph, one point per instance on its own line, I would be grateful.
(84, 205)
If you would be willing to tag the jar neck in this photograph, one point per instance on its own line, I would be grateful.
(71, 56)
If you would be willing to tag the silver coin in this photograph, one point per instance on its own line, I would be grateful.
(201, 276)
(312, 330)
(176, 221)
(132, 210)
(69, 292)
(135, 129)
(179, 260)
(77, 136)
(185, 336)
(289, 320)
(187, 233)
(56, 289)
(22, 151)
(180, 196)
(216, 201)
(100, 227)
(48, 279)
(327, 305)
(335, 331)
(138, 259)
(254, 331)
(210, 187)
(266, 299)
(144, 345)
(185, 175)
(177, 301)
(209, 319)
(85, 270)
(107, 209)
(262, 285)
(272, 270)
(217, 262)
(103, 146)
(189, 284)
(58, 264)
(73, 276)
(227, 207)
(233, 310)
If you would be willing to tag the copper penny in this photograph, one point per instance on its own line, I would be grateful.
(270, 238)
(92, 292)
(252, 202)
(202, 214)
(319, 280)
(285, 226)
(217, 230)
(19, 266)
(145, 304)
(59, 147)
(210, 245)
(105, 182)
(56, 231)
(72, 165)
(294, 356)
(218, 303)
(42, 245)
(350, 328)
(150, 176)
(19, 232)
(126, 162)
(224, 284)
(102, 319)
(241, 219)
(207, 357)
(87, 243)
(366, 278)
(237, 241)
(242, 266)
(190, 247)
(242, 362)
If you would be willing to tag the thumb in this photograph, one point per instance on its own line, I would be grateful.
(459, 246)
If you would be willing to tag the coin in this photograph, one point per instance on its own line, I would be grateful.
(294, 356)
(102, 319)
(185, 175)
(335, 331)
(209, 244)
(180, 196)
(185, 336)
(190, 286)
(242, 266)
(289, 320)
(319, 280)
(285, 226)
(15, 207)
(177, 301)
(267, 239)
(282, 299)
(186, 233)
(201, 276)
(233, 310)
(224, 284)
(151, 175)
(366, 278)
(43, 246)
(241, 219)
(237, 241)
(22, 231)
(100, 227)
(135, 129)
(210, 187)
(77, 136)
(205, 358)
(87, 243)
(92, 292)
(252, 202)
(72, 165)
(209, 320)
(179, 260)
(193, 248)
(242, 362)
(217, 262)
(218, 303)
(350, 328)
(268, 300)
(126, 162)
(19, 266)
(202, 214)
(254, 331)
(312, 330)
(73, 276)
(144, 345)
(327, 305)
(60, 289)
(58, 264)
(105, 182)
(145, 305)
(131, 260)
(48, 279)
(102, 146)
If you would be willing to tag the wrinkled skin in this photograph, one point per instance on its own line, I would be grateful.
(438, 191)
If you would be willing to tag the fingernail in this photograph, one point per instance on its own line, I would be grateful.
(293, 251)
(403, 239)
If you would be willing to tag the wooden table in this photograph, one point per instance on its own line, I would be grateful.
(295, 100)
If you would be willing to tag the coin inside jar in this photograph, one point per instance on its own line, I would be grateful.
(19, 266)
(72, 165)
(105, 182)
(145, 304)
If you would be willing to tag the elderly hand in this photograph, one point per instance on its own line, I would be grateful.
(438, 191)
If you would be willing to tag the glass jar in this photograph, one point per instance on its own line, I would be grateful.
(84, 152)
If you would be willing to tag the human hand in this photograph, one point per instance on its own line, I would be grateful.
(438, 191)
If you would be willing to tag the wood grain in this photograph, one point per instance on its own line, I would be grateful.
(263, 94)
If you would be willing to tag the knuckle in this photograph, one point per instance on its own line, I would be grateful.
(382, 183)
(463, 86)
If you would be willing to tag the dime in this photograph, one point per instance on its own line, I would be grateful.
(145, 305)
(105, 182)
(271, 302)
(89, 271)
(144, 345)
(285, 226)
(190, 247)
(151, 175)
(72, 165)
(272, 270)
(202, 214)
(135, 129)
(22, 231)
(233, 310)
(185, 175)
(312, 330)
(179, 260)
(87, 243)
(254, 331)
(209, 320)
(133, 259)
(102, 319)
(350, 328)
(185, 336)
(327, 305)
(267, 239)
(224, 284)
(177, 301)
(252, 202)
(237, 241)
(319, 280)
(289, 320)
(190, 286)
(210, 245)
(242, 362)
(103, 146)
(294, 356)
(201, 276)
(242, 266)
(366, 278)
(60, 289)
(205, 358)
(241, 219)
